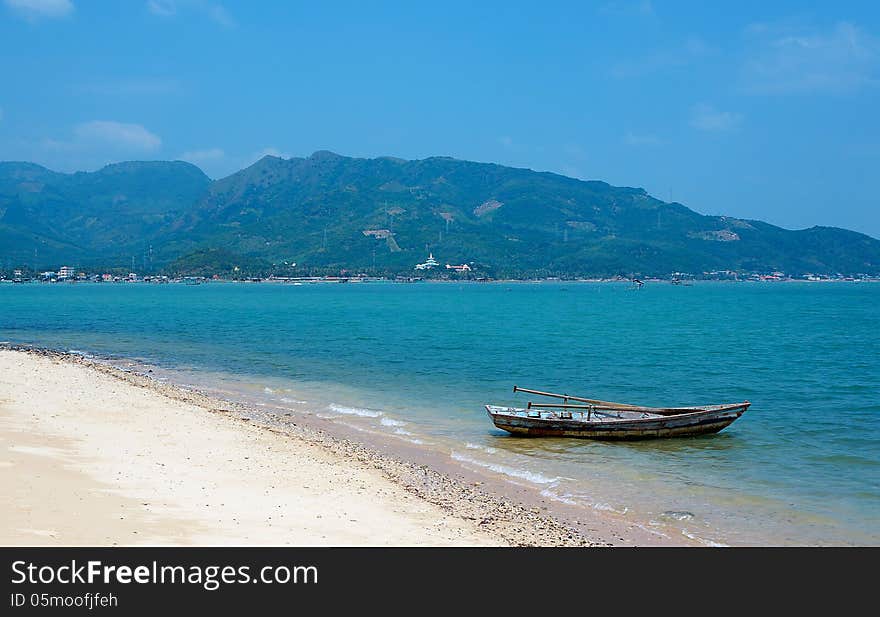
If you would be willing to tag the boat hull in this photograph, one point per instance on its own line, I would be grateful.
(518, 422)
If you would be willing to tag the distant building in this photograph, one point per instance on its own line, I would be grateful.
(461, 268)
(17, 273)
(66, 272)
(378, 233)
(429, 264)
(107, 278)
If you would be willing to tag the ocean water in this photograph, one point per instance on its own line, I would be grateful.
(416, 363)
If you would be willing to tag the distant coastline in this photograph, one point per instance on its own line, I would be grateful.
(334, 215)
(20, 276)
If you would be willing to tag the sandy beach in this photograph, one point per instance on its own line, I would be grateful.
(92, 455)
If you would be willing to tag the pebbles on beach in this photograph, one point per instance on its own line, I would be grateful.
(499, 519)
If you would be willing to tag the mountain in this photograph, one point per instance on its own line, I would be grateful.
(334, 212)
(108, 215)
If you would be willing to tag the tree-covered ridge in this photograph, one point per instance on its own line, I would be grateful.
(383, 215)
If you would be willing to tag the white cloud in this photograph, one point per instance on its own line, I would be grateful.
(633, 139)
(207, 155)
(219, 14)
(117, 135)
(707, 118)
(33, 9)
(170, 8)
(163, 8)
(797, 59)
(91, 145)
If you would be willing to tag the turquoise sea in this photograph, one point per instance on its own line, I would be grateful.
(414, 363)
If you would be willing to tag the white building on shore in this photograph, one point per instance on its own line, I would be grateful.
(429, 264)
(67, 272)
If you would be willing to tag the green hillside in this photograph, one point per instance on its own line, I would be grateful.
(105, 216)
(315, 211)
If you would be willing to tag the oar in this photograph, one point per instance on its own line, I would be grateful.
(532, 405)
(581, 399)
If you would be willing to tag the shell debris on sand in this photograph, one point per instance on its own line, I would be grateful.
(506, 520)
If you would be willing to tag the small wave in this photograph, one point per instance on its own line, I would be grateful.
(401, 431)
(522, 474)
(349, 425)
(293, 401)
(678, 515)
(650, 530)
(354, 411)
(476, 446)
(390, 422)
(418, 442)
(268, 390)
(607, 507)
(557, 497)
(686, 533)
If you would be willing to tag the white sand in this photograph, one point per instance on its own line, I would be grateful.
(87, 459)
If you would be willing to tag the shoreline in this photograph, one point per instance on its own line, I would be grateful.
(458, 513)
(407, 376)
(500, 281)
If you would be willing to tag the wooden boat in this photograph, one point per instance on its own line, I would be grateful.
(594, 419)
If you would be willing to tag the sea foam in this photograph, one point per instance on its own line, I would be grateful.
(513, 472)
(607, 507)
(685, 532)
(557, 497)
(476, 446)
(354, 411)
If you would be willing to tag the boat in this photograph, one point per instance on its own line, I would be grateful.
(594, 419)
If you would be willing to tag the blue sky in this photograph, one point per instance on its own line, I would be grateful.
(757, 110)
